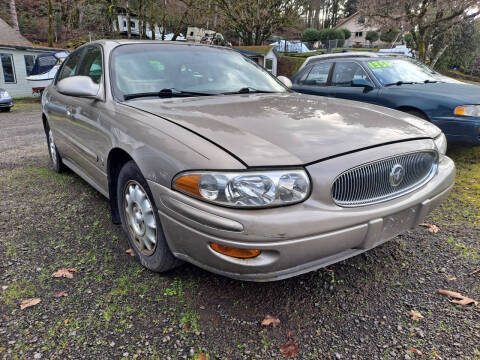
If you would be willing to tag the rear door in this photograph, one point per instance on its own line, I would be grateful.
(343, 74)
(314, 80)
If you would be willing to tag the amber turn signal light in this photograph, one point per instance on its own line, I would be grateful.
(235, 252)
(460, 110)
(188, 184)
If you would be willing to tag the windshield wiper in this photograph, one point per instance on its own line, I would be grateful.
(248, 90)
(398, 83)
(431, 81)
(166, 93)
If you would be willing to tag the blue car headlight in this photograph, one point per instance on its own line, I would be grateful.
(467, 110)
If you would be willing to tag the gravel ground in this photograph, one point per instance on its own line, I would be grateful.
(115, 309)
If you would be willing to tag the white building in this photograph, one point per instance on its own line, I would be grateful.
(17, 57)
(265, 55)
(196, 34)
(122, 22)
(358, 26)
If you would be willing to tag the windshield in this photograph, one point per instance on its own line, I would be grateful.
(150, 68)
(404, 71)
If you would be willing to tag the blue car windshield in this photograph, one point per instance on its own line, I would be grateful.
(400, 71)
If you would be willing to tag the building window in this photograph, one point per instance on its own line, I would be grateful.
(124, 23)
(269, 64)
(132, 24)
(8, 68)
(191, 33)
(359, 34)
(29, 63)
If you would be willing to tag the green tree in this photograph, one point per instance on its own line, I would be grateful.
(372, 36)
(347, 33)
(256, 21)
(311, 35)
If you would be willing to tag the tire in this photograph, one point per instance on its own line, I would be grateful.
(140, 221)
(417, 113)
(5, 109)
(55, 158)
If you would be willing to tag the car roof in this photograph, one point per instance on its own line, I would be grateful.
(344, 55)
(118, 42)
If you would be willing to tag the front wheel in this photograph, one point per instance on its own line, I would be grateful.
(140, 220)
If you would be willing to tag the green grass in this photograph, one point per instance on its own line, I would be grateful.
(463, 205)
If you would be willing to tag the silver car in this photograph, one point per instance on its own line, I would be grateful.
(206, 157)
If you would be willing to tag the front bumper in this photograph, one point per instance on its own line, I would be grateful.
(460, 129)
(299, 238)
(6, 102)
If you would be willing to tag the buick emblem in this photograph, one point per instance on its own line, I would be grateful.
(396, 175)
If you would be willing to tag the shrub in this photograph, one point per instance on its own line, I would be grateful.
(310, 35)
(372, 36)
(347, 33)
(332, 34)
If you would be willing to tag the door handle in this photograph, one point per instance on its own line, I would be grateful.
(70, 113)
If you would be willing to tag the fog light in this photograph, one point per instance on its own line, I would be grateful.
(235, 252)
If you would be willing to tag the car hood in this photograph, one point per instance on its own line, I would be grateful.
(457, 93)
(287, 129)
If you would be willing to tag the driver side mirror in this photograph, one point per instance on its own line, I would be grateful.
(362, 83)
(285, 81)
(79, 86)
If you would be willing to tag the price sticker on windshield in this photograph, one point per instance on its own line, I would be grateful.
(379, 64)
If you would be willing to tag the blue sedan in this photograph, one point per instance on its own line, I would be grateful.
(399, 84)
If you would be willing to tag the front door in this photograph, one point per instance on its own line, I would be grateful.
(341, 84)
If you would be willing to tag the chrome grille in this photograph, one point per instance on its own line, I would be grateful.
(372, 183)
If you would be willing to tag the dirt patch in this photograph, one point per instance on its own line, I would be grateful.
(115, 309)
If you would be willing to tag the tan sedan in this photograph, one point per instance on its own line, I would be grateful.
(206, 157)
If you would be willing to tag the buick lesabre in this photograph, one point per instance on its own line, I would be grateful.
(206, 157)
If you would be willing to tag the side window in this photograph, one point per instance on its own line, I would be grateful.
(345, 72)
(8, 68)
(91, 65)
(318, 75)
(70, 66)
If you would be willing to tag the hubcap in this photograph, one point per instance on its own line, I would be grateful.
(53, 149)
(141, 221)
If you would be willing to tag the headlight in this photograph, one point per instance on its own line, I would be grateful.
(4, 94)
(441, 144)
(467, 110)
(245, 189)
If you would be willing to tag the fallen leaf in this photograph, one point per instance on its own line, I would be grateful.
(475, 272)
(431, 228)
(64, 272)
(60, 294)
(270, 320)
(290, 349)
(66, 321)
(462, 300)
(415, 315)
(4, 287)
(451, 278)
(290, 333)
(415, 351)
(130, 252)
(438, 357)
(201, 357)
(29, 302)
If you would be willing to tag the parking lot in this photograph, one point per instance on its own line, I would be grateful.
(113, 308)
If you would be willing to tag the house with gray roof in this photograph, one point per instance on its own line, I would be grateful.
(17, 58)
